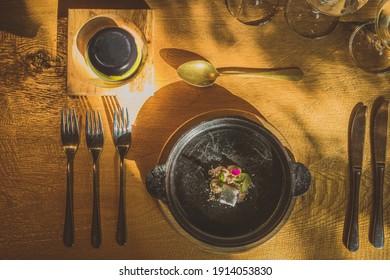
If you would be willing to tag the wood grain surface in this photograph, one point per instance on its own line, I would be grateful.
(312, 115)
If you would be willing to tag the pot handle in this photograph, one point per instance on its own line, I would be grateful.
(300, 177)
(155, 182)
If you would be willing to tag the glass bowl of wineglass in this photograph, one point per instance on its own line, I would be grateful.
(315, 19)
(337, 7)
(369, 44)
(253, 12)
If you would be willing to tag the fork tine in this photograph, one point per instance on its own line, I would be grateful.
(91, 128)
(67, 122)
(101, 130)
(71, 124)
(119, 121)
(128, 127)
(95, 125)
(115, 122)
(76, 123)
(87, 123)
(123, 120)
(93, 122)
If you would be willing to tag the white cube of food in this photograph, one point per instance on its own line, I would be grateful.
(228, 195)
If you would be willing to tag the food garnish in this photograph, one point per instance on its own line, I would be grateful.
(229, 185)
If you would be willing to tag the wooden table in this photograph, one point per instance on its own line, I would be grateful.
(312, 115)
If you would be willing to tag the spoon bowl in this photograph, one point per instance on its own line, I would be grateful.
(201, 73)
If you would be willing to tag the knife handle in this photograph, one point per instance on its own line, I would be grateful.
(377, 232)
(353, 228)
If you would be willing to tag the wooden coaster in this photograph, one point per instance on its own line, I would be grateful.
(80, 78)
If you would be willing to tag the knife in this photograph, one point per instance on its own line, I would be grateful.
(356, 145)
(379, 140)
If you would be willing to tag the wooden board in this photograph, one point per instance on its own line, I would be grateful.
(81, 80)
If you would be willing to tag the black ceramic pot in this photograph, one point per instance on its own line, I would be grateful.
(183, 183)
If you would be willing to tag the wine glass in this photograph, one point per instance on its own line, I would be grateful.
(253, 12)
(369, 44)
(337, 7)
(318, 18)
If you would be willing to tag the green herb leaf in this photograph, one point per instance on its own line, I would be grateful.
(246, 183)
(240, 178)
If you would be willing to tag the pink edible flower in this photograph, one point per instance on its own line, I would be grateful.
(236, 172)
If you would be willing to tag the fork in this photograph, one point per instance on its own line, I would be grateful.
(70, 137)
(95, 140)
(122, 141)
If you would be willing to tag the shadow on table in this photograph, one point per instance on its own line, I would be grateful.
(176, 57)
(15, 19)
(171, 107)
(160, 123)
(177, 103)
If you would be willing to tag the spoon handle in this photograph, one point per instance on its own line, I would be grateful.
(290, 74)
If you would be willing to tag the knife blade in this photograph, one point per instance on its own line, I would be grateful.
(379, 141)
(357, 137)
(356, 148)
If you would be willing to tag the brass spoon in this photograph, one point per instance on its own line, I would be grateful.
(200, 73)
